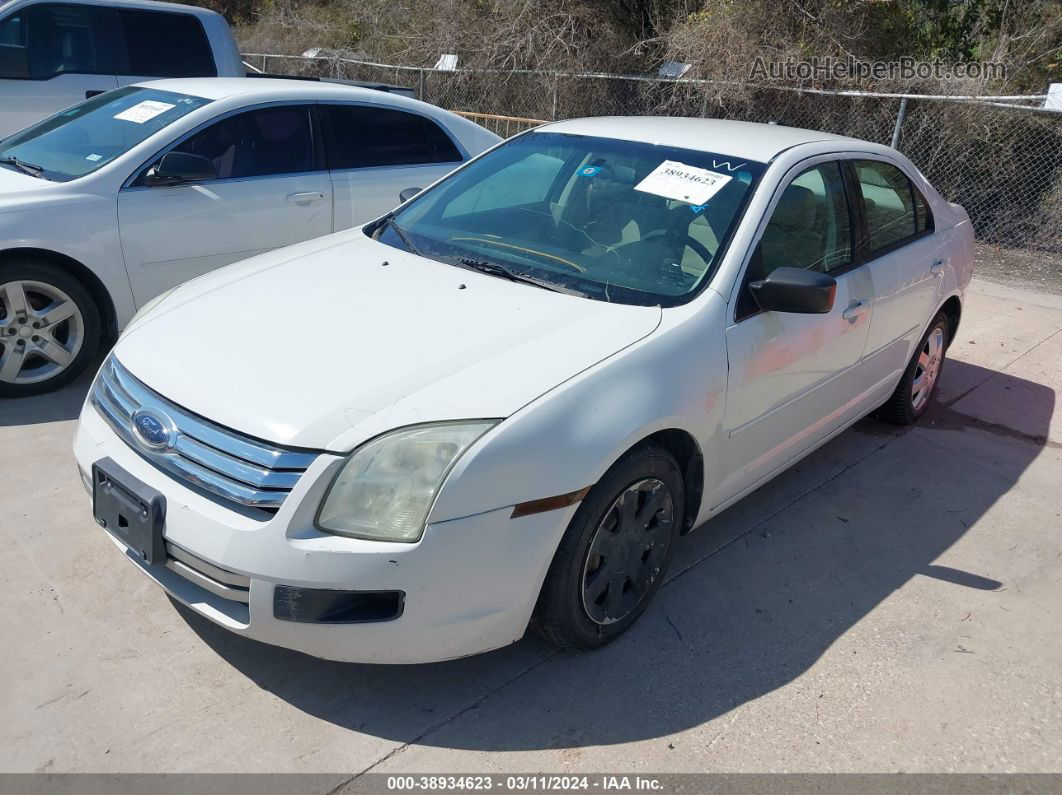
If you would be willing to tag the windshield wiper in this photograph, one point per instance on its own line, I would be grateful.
(389, 220)
(23, 166)
(494, 269)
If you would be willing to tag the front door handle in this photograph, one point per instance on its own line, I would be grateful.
(855, 310)
(936, 267)
(305, 198)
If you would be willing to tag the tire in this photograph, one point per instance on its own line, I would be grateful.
(39, 358)
(576, 607)
(909, 401)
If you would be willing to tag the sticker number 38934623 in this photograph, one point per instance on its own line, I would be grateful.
(143, 111)
(674, 180)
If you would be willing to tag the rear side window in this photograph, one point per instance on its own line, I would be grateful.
(895, 210)
(256, 143)
(42, 41)
(161, 44)
(363, 136)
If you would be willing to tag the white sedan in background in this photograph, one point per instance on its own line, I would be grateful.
(107, 204)
(504, 402)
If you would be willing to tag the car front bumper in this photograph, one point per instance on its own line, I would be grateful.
(468, 586)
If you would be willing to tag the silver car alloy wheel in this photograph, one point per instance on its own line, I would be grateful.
(627, 550)
(41, 331)
(927, 369)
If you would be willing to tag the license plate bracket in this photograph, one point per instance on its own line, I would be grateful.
(130, 510)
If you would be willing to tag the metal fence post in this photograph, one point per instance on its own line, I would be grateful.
(554, 116)
(898, 129)
(420, 89)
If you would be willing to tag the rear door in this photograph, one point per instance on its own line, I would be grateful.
(905, 258)
(269, 192)
(374, 153)
(52, 56)
(795, 378)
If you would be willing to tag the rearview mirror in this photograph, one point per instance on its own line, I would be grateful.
(408, 193)
(795, 290)
(178, 167)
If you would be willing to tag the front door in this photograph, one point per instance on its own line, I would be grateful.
(267, 194)
(794, 378)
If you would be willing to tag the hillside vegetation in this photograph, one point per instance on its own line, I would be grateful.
(722, 38)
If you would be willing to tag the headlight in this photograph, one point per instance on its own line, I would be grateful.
(158, 299)
(385, 489)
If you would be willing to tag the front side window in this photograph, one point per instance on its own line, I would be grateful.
(43, 41)
(612, 220)
(81, 139)
(256, 143)
(162, 44)
(364, 136)
(810, 228)
(889, 200)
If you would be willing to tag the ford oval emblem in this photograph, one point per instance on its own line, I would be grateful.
(154, 430)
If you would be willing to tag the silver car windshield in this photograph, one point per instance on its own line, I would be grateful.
(84, 138)
(612, 220)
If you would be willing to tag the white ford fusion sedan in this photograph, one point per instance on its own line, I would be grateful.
(107, 204)
(501, 404)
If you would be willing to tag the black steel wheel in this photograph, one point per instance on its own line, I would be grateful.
(627, 550)
(615, 551)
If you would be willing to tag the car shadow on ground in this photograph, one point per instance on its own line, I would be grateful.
(752, 602)
(62, 404)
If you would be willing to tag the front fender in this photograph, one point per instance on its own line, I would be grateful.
(568, 438)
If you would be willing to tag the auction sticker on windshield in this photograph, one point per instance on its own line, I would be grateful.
(143, 111)
(674, 180)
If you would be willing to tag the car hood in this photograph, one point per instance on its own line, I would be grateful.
(14, 183)
(328, 343)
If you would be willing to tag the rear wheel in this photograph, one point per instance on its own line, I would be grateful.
(614, 553)
(920, 379)
(49, 328)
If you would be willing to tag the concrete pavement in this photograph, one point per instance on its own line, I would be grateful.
(891, 603)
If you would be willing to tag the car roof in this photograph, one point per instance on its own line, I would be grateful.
(152, 5)
(216, 88)
(745, 139)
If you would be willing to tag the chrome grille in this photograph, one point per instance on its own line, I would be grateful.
(231, 465)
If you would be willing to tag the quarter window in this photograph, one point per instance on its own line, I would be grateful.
(362, 136)
(161, 44)
(256, 143)
(895, 210)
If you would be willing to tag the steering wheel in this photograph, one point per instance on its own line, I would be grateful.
(699, 249)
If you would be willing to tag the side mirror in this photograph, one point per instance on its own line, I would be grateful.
(14, 61)
(178, 167)
(795, 290)
(408, 193)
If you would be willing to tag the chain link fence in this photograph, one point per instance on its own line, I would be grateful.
(999, 158)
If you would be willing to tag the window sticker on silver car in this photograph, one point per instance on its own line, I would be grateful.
(674, 180)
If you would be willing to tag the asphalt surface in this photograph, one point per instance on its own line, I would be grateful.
(892, 603)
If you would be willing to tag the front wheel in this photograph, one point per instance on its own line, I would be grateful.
(49, 328)
(920, 379)
(614, 553)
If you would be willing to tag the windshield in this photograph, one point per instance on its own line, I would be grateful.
(614, 220)
(89, 135)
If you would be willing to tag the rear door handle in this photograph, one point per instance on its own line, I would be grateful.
(936, 267)
(854, 311)
(305, 198)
